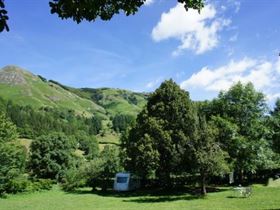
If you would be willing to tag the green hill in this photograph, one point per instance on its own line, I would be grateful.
(25, 88)
(114, 101)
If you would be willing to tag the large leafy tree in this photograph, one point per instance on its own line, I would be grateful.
(240, 116)
(139, 151)
(158, 141)
(90, 10)
(275, 127)
(51, 154)
(209, 157)
(12, 155)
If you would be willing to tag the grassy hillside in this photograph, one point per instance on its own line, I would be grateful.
(115, 101)
(24, 88)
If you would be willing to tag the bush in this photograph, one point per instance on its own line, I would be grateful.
(42, 184)
(73, 179)
(51, 155)
(101, 170)
(23, 184)
(12, 158)
(88, 144)
(18, 184)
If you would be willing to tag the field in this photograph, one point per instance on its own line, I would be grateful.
(262, 198)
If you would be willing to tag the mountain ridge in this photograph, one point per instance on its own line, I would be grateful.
(25, 88)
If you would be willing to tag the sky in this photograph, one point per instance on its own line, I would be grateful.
(229, 41)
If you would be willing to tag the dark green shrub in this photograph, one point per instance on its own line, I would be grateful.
(43, 184)
(73, 179)
(18, 184)
(51, 155)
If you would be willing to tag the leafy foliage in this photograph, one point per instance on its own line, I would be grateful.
(105, 10)
(88, 144)
(275, 127)
(8, 131)
(12, 155)
(156, 143)
(172, 137)
(51, 155)
(3, 17)
(32, 123)
(80, 10)
(121, 122)
(100, 170)
(239, 114)
(73, 178)
(210, 159)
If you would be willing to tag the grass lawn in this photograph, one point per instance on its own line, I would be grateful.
(262, 198)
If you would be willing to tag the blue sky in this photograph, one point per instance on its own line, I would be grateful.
(230, 41)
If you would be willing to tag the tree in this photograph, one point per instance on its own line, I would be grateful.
(95, 125)
(139, 150)
(32, 123)
(100, 170)
(91, 10)
(88, 144)
(3, 17)
(275, 127)
(156, 144)
(209, 158)
(122, 121)
(12, 155)
(8, 131)
(240, 116)
(51, 154)
(74, 178)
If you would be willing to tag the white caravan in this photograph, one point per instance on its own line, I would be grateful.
(126, 182)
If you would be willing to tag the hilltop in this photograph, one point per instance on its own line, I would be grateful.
(24, 88)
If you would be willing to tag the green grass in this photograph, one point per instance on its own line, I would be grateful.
(37, 93)
(108, 139)
(273, 183)
(115, 101)
(262, 198)
(26, 143)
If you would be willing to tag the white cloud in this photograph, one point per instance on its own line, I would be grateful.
(197, 32)
(149, 2)
(278, 65)
(237, 5)
(230, 51)
(154, 83)
(233, 38)
(272, 97)
(262, 73)
(234, 4)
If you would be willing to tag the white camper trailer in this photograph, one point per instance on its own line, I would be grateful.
(126, 182)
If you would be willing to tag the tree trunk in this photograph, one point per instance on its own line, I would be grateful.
(164, 180)
(203, 183)
(240, 176)
(104, 185)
